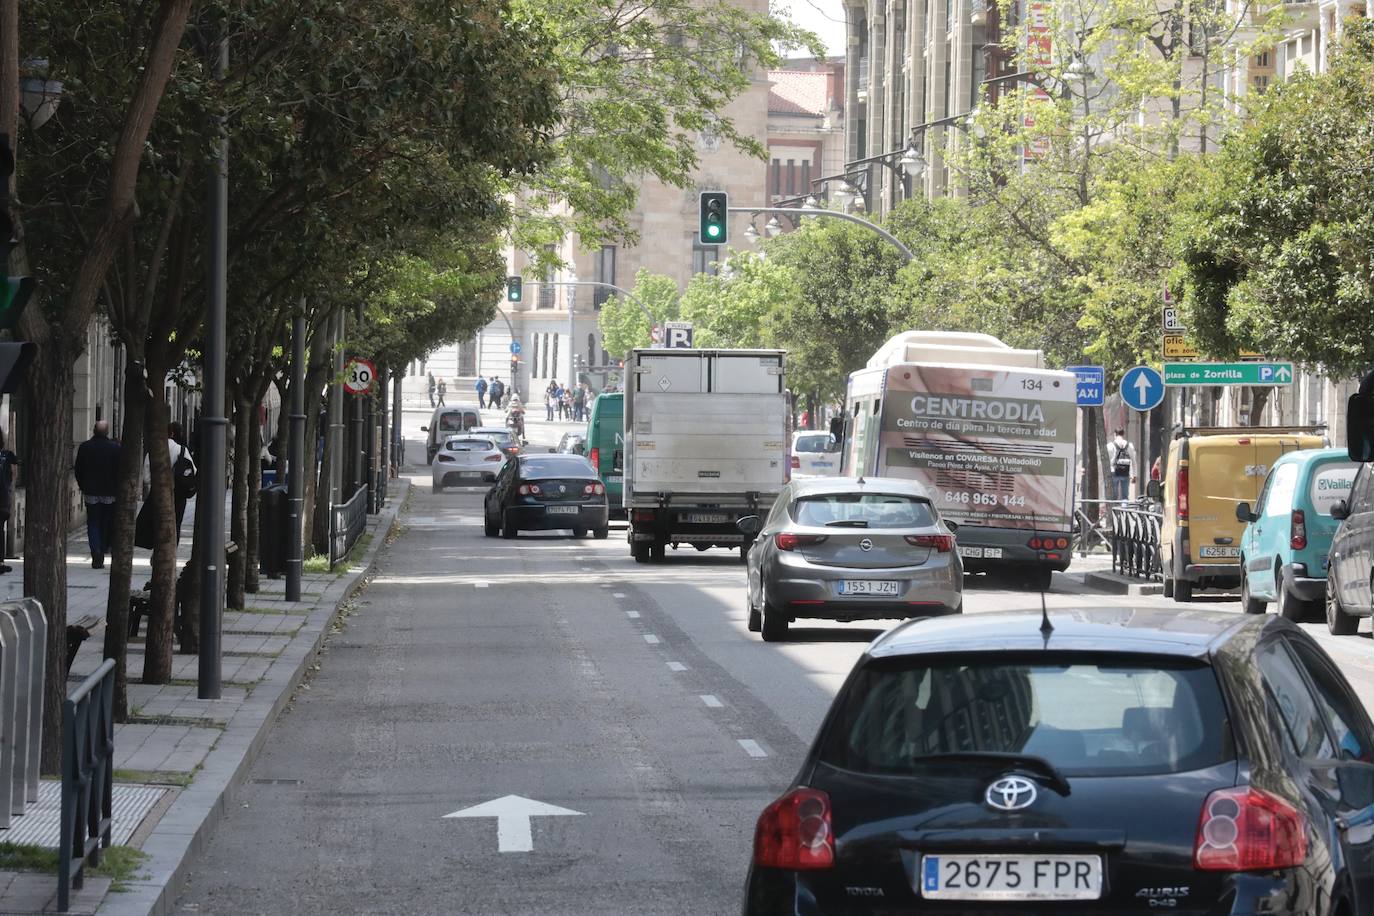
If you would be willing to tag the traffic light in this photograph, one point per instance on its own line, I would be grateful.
(514, 366)
(715, 210)
(15, 291)
(513, 290)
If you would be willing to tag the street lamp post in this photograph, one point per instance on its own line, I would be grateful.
(833, 214)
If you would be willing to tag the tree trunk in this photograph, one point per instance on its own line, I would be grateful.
(157, 653)
(49, 387)
(322, 507)
(122, 538)
(238, 518)
(252, 563)
(1259, 399)
(1092, 420)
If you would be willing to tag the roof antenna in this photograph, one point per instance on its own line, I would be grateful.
(1046, 628)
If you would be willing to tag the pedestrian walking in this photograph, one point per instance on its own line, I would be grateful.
(432, 386)
(97, 474)
(442, 389)
(1121, 454)
(497, 392)
(8, 460)
(481, 386)
(550, 401)
(580, 402)
(567, 404)
(184, 474)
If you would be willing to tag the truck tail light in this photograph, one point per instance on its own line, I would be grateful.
(594, 456)
(944, 543)
(1297, 532)
(794, 462)
(789, 541)
(795, 833)
(1183, 494)
(1247, 829)
(642, 516)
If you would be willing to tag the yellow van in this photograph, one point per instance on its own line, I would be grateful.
(1207, 473)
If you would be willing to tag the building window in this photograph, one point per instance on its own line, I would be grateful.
(591, 350)
(467, 358)
(806, 177)
(546, 289)
(605, 273)
(704, 258)
(1260, 82)
(791, 177)
(534, 357)
(775, 182)
(1262, 59)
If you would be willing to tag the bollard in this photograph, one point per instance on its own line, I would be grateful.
(31, 612)
(10, 726)
(23, 635)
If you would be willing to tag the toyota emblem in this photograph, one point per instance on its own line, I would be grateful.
(1011, 793)
(866, 544)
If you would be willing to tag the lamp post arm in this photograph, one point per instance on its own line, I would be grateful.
(611, 286)
(834, 214)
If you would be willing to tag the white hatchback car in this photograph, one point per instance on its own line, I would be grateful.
(815, 454)
(466, 459)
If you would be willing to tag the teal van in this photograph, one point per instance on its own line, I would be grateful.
(1283, 551)
(605, 447)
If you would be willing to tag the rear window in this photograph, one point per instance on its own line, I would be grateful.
(470, 445)
(874, 510)
(1087, 718)
(555, 466)
(456, 422)
(1331, 484)
(822, 443)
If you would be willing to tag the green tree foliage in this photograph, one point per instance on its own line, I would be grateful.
(735, 308)
(624, 326)
(1277, 244)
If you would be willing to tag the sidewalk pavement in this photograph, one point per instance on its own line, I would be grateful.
(1093, 573)
(179, 759)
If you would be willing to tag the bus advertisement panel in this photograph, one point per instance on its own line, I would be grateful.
(994, 446)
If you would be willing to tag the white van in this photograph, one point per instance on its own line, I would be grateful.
(815, 453)
(445, 422)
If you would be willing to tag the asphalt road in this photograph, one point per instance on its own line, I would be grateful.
(472, 669)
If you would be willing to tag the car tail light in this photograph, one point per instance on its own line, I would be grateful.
(794, 832)
(446, 458)
(591, 488)
(1247, 829)
(599, 489)
(944, 543)
(492, 458)
(529, 489)
(595, 457)
(794, 462)
(788, 541)
(1183, 494)
(1297, 533)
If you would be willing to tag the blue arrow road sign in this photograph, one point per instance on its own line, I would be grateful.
(1092, 382)
(1142, 388)
(515, 346)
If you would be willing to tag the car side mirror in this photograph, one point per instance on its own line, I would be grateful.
(424, 429)
(1154, 490)
(1341, 510)
(749, 525)
(1243, 513)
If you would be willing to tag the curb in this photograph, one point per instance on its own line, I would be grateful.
(183, 830)
(1114, 584)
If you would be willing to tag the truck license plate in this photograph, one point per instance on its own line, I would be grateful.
(869, 587)
(705, 518)
(1226, 553)
(1000, 877)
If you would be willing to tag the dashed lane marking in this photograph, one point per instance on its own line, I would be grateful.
(481, 584)
(751, 747)
(651, 639)
(676, 666)
(617, 594)
(711, 701)
(633, 615)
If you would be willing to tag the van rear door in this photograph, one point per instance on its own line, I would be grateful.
(1224, 471)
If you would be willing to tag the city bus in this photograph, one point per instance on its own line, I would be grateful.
(988, 429)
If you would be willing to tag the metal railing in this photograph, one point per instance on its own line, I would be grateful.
(346, 524)
(1135, 540)
(23, 659)
(87, 778)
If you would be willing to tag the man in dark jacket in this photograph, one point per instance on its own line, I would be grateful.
(97, 474)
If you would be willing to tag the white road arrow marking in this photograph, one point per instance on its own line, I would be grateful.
(1142, 388)
(513, 813)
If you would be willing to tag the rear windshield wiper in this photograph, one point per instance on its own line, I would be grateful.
(1055, 776)
(847, 523)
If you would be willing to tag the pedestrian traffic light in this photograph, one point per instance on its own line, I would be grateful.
(513, 290)
(715, 209)
(15, 291)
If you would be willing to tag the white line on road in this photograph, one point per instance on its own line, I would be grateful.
(633, 615)
(711, 701)
(617, 594)
(481, 584)
(676, 666)
(651, 639)
(751, 747)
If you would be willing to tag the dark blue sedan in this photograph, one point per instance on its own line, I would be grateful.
(1091, 762)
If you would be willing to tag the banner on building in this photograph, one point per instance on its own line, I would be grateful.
(1039, 59)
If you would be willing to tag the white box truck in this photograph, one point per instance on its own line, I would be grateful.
(705, 445)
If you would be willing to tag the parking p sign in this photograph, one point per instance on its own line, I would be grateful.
(1092, 384)
(677, 335)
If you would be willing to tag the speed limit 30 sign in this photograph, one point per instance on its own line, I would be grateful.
(359, 373)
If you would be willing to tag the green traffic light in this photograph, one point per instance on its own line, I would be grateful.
(713, 231)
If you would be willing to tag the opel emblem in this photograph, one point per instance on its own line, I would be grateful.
(866, 544)
(1011, 793)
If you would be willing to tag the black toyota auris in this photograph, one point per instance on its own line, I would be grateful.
(1087, 762)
